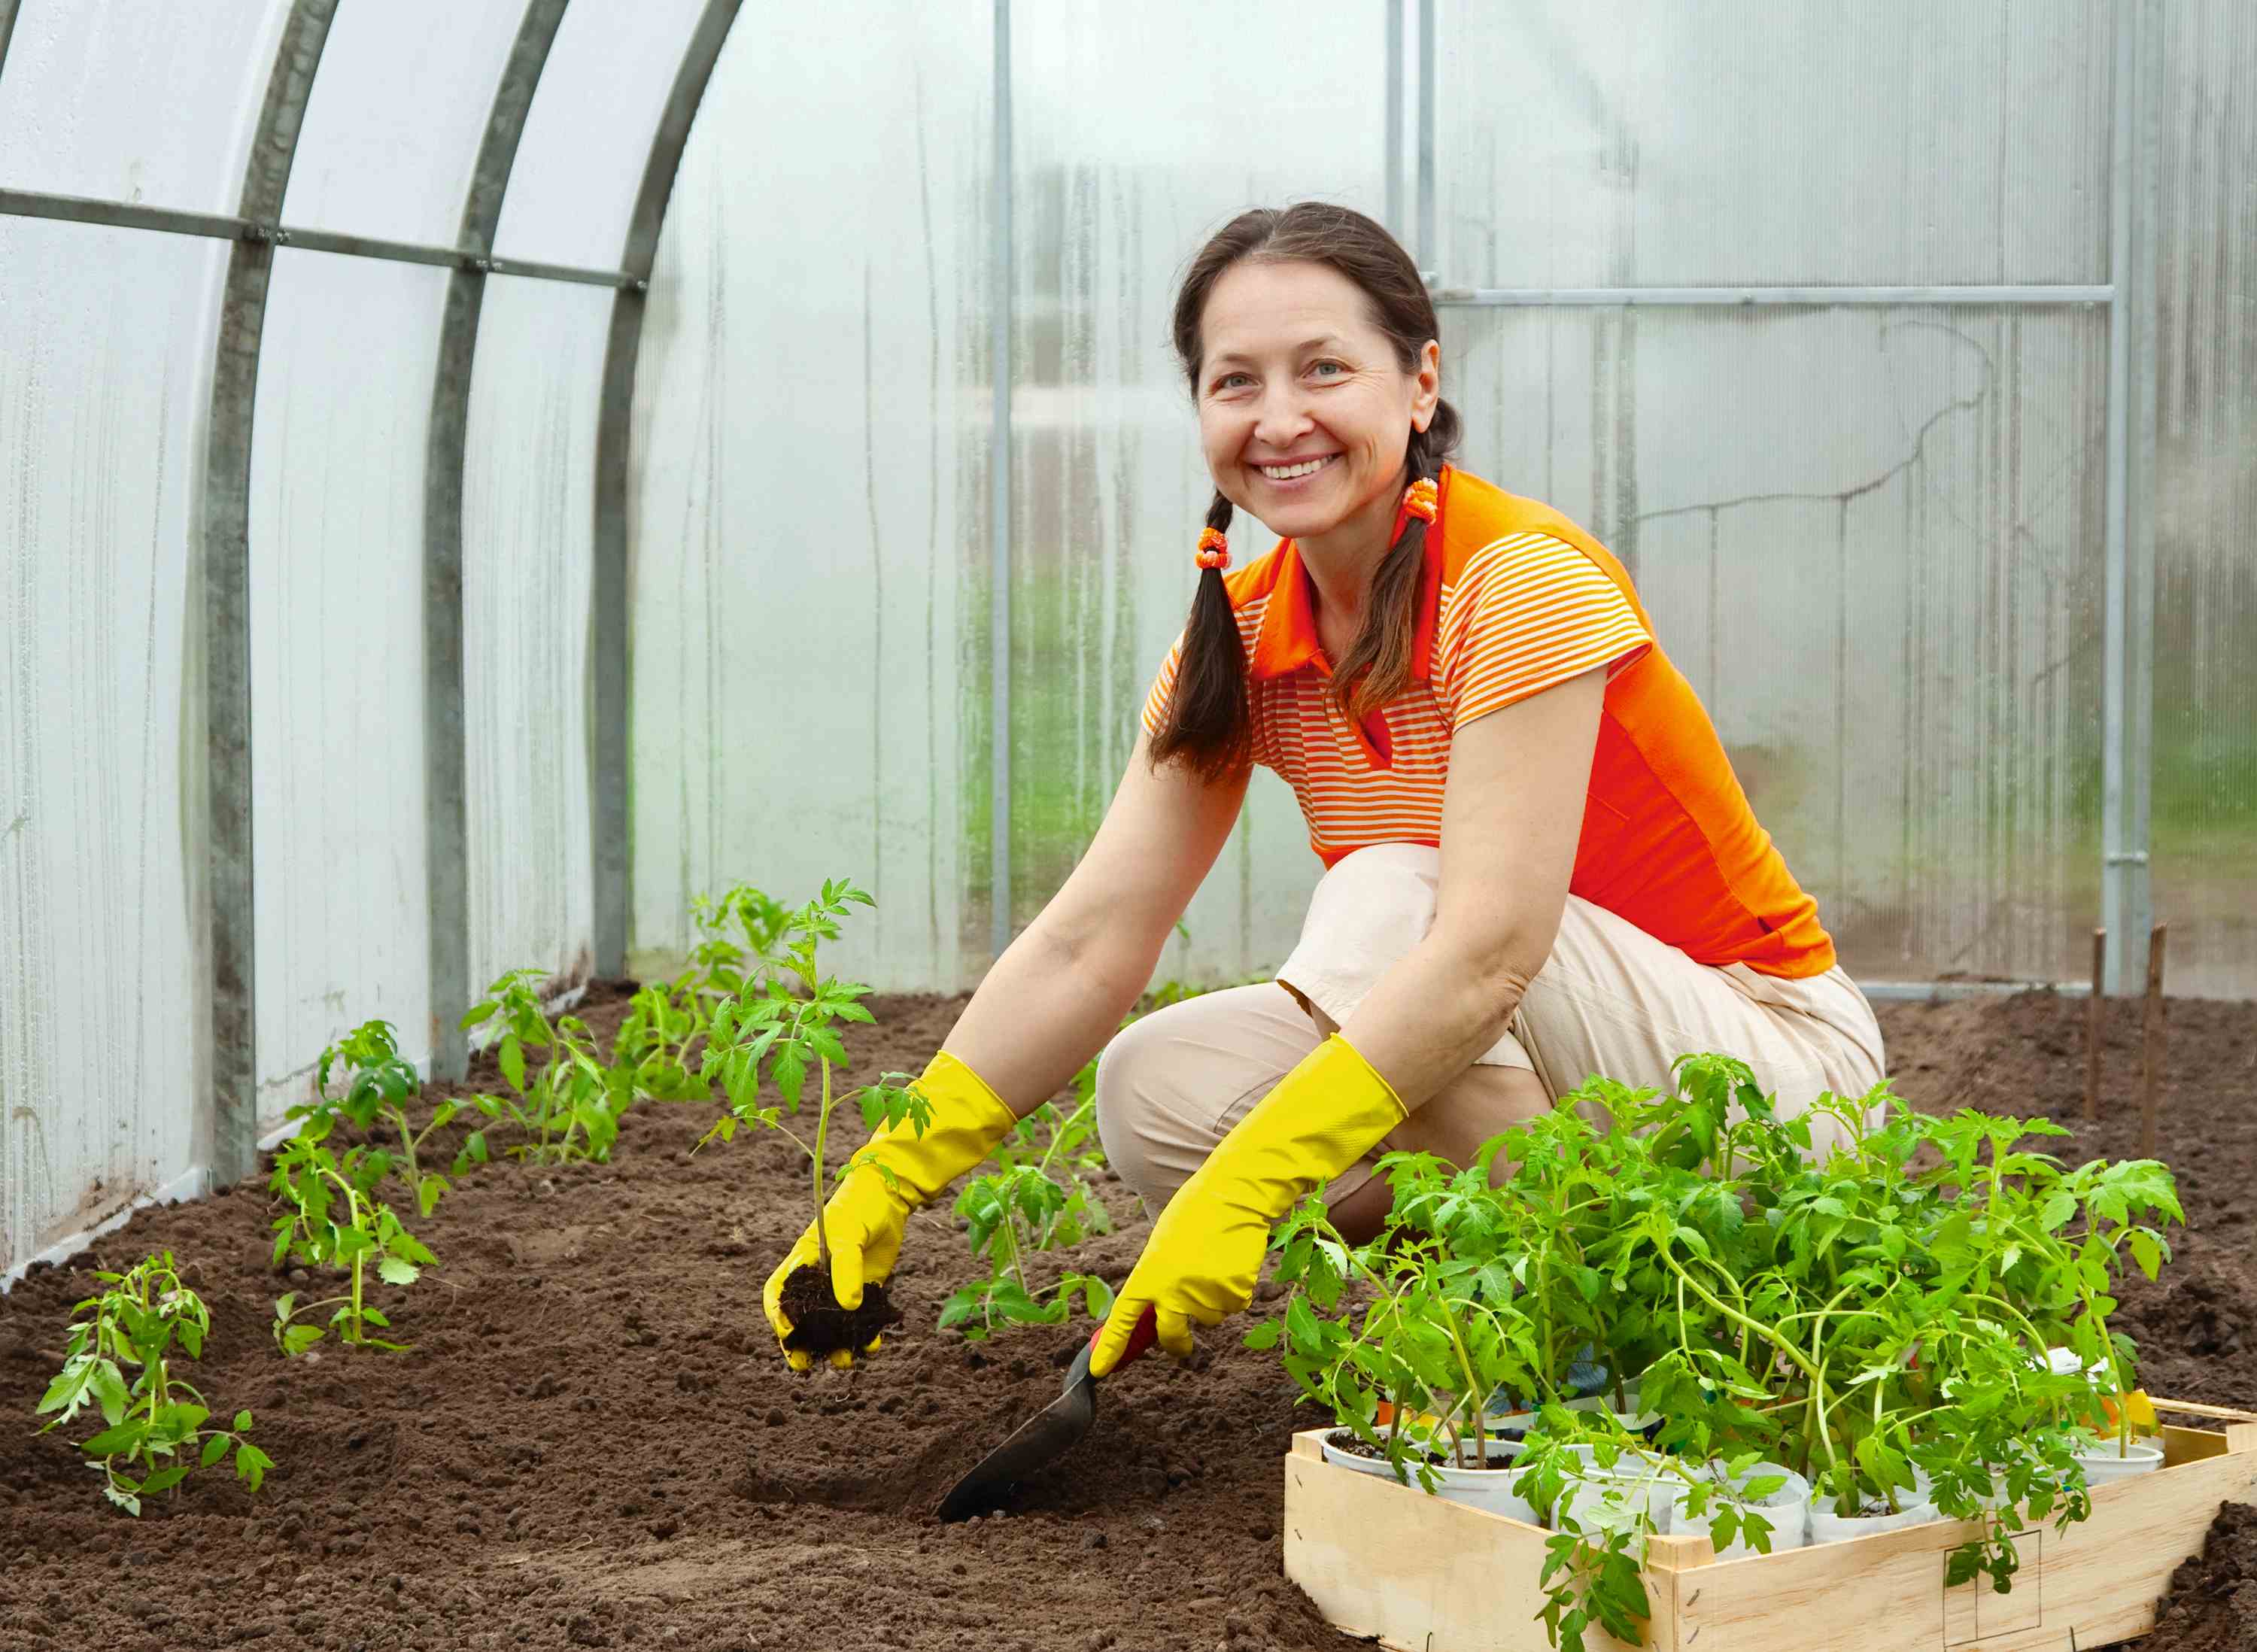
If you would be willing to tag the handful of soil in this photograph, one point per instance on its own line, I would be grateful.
(820, 1326)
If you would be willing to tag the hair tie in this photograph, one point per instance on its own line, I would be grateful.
(1214, 549)
(1421, 498)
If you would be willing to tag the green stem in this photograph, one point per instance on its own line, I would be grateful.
(822, 1133)
(1792, 1353)
(407, 1148)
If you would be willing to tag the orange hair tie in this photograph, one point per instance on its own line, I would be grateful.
(1214, 549)
(1421, 498)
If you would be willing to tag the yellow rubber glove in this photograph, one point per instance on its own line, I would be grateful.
(866, 1214)
(1206, 1250)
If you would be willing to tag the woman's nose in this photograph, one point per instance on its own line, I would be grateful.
(1283, 420)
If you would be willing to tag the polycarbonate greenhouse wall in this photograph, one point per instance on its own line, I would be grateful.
(453, 509)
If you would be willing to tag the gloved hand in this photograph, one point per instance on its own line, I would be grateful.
(1206, 1250)
(866, 1214)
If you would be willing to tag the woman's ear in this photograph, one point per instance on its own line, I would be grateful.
(1428, 382)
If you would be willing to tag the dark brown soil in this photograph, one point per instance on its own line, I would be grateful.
(2212, 1604)
(595, 1442)
(820, 1326)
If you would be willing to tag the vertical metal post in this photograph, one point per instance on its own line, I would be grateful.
(228, 893)
(2127, 653)
(7, 28)
(446, 783)
(610, 657)
(1430, 249)
(999, 501)
(1394, 105)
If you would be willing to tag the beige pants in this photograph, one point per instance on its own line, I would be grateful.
(1611, 1000)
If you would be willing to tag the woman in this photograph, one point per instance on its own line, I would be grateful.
(1539, 864)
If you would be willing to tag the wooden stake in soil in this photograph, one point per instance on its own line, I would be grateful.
(2151, 1042)
(2093, 1028)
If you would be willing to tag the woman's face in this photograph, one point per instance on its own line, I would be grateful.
(1304, 413)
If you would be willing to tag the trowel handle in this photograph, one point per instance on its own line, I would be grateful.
(1146, 1333)
(1141, 1335)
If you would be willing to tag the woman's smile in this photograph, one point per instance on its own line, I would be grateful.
(1288, 473)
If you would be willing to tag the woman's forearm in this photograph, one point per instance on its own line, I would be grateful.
(1432, 1014)
(1042, 1012)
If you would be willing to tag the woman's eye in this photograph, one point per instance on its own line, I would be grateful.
(1327, 369)
(1232, 381)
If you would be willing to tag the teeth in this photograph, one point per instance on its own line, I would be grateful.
(1287, 472)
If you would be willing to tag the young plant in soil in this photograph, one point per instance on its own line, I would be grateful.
(1037, 1198)
(571, 1108)
(332, 1219)
(161, 1417)
(381, 1084)
(740, 935)
(782, 1029)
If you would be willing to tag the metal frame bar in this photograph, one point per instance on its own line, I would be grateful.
(446, 764)
(266, 229)
(227, 895)
(610, 649)
(1001, 251)
(1743, 297)
(2127, 680)
(1393, 178)
(7, 31)
(1429, 248)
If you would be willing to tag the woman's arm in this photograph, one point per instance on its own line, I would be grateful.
(1512, 812)
(1060, 991)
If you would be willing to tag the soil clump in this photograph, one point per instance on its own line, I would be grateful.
(593, 1440)
(820, 1326)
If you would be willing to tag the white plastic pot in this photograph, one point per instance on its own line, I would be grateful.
(2104, 1462)
(1916, 1507)
(1378, 1466)
(1634, 1420)
(1489, 1489)
(1787, 1509)
(1582, 1497)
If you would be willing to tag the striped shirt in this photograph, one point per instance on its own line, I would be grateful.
(1515, 600)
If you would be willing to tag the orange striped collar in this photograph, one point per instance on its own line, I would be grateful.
(1287, 640)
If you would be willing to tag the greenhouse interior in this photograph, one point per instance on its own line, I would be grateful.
(580, 574)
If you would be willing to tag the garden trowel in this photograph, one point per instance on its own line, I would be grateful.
(1042, 1438)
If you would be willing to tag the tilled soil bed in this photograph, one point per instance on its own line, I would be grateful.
(594, 1441)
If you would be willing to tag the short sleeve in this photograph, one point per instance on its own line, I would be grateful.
(1529, 612)
(1164, 689)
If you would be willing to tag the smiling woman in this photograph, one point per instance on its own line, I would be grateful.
(1540, 864)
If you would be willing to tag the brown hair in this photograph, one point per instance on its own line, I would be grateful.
(1209, 727)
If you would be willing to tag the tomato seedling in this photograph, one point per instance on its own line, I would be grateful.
(135, 1321)
(782, 1026)
(740, 935)
(332, 1219)
(381, 1084)
(571, 1108)
(1037, 1198)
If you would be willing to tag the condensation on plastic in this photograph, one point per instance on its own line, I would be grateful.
(2204, 807)
(336, 659)
(104, 344)
(527, 540)
(392, 128)
(1592, 142)
(149, 104)
(1872, 540)
(1136, 134)
(588, 132)
(809, 503)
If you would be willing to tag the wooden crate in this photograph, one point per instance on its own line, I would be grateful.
(1416, 1573)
